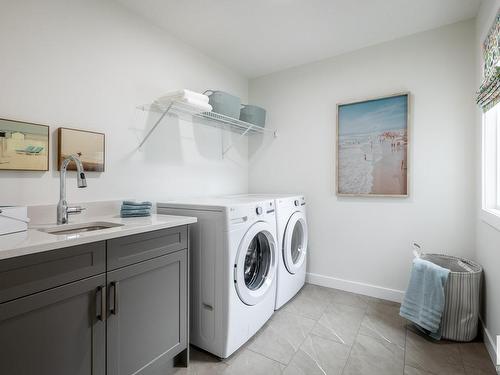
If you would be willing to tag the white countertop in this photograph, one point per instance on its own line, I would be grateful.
(35, 241)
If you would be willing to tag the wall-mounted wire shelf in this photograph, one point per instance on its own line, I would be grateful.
(182, 109)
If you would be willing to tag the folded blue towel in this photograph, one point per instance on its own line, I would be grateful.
(135, 209)
(136, 213)
(424, 299)
(127, 207)
(147, 211)
(132, 203)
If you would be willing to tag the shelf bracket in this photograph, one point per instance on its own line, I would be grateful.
(224, 152)
(155, 125)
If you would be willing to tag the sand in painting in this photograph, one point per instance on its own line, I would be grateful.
(389, 172)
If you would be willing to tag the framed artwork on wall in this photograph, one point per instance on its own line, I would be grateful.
(372, 147)
(24, 146)
(89, 146)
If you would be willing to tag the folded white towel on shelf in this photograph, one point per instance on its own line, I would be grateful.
(194, 106)
(185, 105)
(184, 94)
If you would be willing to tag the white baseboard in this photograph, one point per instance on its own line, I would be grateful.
(356, 287)
(489, 341)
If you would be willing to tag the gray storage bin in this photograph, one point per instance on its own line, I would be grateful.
(224, 103)
(253, 115)
(462, 294)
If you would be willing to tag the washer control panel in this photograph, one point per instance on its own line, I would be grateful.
(241, 213)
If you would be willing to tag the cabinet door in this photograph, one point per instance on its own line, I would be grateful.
(147, 321)
(55, 332)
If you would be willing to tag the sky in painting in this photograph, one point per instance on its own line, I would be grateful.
(373, 116)
(14, 126)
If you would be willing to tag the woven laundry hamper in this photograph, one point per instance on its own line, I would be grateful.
(462, 294)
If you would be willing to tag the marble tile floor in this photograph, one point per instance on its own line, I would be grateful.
(330, 332)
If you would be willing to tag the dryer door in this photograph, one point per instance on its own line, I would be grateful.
(255, 264)
(295, 242)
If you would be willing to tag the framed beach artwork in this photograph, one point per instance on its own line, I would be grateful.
(372, 147)
(89, 146)
(24, 146)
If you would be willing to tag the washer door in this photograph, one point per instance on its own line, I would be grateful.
(255, 264)
(295, 242)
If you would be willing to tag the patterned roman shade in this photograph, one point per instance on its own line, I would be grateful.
(489, 93)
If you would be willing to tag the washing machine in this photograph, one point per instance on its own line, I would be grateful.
(233, 263)
(292, 232)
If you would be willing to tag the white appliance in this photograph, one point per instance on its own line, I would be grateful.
(233, 269)
(292, 232)
(13, 219)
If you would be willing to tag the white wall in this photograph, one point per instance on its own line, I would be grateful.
(87, 64)
(367, 240)
(487, 237)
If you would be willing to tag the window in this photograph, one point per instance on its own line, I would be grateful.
(491, 166)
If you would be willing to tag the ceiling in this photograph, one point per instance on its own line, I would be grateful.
(257, 37)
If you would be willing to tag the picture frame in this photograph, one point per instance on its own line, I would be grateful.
(90, 146)
(24, 146)
(372, 147)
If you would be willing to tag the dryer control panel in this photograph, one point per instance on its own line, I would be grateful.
(301, 201)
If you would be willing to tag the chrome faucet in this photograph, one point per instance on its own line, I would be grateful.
(63, 210)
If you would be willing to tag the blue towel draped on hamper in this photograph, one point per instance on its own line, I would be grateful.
(135, 209)
(424, 299)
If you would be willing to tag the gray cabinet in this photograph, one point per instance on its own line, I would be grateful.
(33, 273)
(56, 332)
(117, 307)
(147, 321)
(129, 250)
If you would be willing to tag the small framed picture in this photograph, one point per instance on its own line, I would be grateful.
(24, 146)
(89, 146)
(372, 147)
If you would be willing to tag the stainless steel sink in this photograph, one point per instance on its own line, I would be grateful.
(79, 228)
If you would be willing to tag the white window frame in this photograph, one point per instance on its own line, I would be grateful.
(490, 212)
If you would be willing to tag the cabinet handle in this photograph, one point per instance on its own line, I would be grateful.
(100, 291)
(114, 285)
